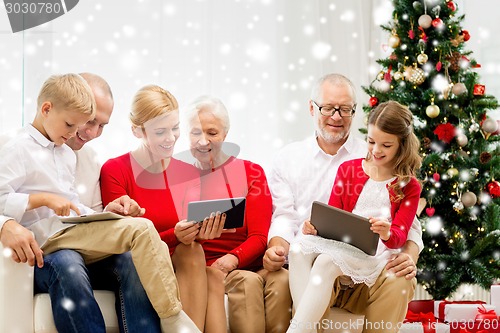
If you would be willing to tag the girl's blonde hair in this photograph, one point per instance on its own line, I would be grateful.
(150, 102)
(394, 118)
(68, 92)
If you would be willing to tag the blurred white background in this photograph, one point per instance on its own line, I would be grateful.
(259, 56)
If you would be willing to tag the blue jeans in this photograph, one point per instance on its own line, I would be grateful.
(70, 284)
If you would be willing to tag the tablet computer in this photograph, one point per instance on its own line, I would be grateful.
(339, 225)
(104, 216)
(234, 209)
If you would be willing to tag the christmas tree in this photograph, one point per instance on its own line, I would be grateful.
(432, 73)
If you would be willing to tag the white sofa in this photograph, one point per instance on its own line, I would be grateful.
(21, 312)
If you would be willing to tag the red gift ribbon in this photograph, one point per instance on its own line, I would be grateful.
(425, 318)
(484, 314)
(443, 304)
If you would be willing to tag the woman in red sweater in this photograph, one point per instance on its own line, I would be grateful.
(163, 186)
(237, 255)
(381, 187)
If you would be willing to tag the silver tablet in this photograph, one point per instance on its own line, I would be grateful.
(339, 225)
(104, 216)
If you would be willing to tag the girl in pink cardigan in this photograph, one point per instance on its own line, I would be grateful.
(381, 187)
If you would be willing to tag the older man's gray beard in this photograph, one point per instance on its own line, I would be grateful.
(333, 138)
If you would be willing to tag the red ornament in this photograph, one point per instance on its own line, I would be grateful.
(437, 23)
(439, 65)
(411, 34)
(373, 101)
(465, 34)
(445, 132)
(430, 211)
(451, 5)
(436, 176)
(493, 189)
(479, 89)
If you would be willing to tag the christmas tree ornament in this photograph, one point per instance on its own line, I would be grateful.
(474, 127)
(373, 101)
(439, 65)
(465, 35)
(485, 157)
(436, 176)
(493, 188)
(417, 76)
(430, 211)
(425, 21)
(451, 5)
(422, 58)
(380, 75)
(462, 140)
(432, 111)
(452, 172)
(489, 125)
(394, 40)
(459, 89)
(479, 90)
(468, 199)
(454, 60)
(417, 5)
(445, 132)
(458, 206)
(437, 23)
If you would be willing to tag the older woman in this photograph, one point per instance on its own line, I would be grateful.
(164, 186)
(238, 254)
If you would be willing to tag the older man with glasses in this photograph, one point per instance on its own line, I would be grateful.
(304, 172)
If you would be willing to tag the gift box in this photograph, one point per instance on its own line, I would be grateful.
(461, 311)
(475, 327)
(434, 327)
(422, 322)
(421, 306)
(495, 296)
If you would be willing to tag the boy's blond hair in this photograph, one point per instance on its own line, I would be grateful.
(68, 91)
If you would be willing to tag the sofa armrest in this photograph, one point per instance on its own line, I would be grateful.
(16, 294)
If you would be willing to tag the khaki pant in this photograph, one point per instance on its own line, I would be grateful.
(385, 302)
(258, 302)
(98, 240)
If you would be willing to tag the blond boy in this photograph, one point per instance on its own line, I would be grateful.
(36, 187)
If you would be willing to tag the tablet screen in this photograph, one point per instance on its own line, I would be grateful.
(234, 209)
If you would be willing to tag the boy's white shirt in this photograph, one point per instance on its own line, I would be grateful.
(51, 169)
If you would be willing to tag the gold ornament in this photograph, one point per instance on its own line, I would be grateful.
(432, 111)
(417, 76)
(398, 76)
(422, 58)
(380, 76)
(452, 172)
(394, 41)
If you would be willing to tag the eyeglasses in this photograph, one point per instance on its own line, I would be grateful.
(345, 111)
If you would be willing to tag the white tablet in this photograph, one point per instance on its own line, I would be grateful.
(234, 209)
(104, 216)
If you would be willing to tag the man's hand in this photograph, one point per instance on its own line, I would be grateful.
(402, 264)
(126, 206)
(22, 243)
